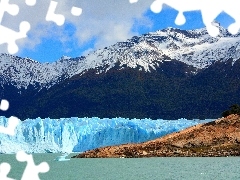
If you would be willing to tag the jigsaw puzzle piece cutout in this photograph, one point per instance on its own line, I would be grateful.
(59, 19)
(74, 8)
(4, 105)
(133, 1)
(180, 19)
(31, 171)
(30, 2)
(209, 14)
(180, 6)
(4, 170)
(9, 36)
(9, 31)
(12, 124)
(156, 7)
(234, 28)
(11, 9)
(234, 13)
(76, 11)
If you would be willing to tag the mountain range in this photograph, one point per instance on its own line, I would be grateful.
(167, 74)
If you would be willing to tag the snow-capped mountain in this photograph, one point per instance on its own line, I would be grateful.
(193, 47)
(166, 74)
(146, 52)
(22, 72)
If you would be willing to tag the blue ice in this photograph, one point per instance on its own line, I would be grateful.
(81, 134)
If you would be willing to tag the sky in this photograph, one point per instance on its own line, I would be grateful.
(101, 24)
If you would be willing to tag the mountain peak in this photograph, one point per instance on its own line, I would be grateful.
(146, 52)
(193, 47)
(64, 57)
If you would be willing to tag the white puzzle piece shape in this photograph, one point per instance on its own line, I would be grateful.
(12, 124)
(133, 1)
(31, 171)
(59, 19)
(9, 36)
(76, 11)
(12, 9)
(4, 170)
(209, 10)
(4, 105)
(30, 2)
(12, 121)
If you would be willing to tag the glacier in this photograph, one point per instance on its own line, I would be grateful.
(81, 134)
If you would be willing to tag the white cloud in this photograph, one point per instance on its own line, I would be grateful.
(108, 21)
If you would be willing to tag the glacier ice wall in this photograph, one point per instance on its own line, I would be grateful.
(81, 134)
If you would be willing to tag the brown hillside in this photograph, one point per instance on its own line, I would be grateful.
(217, 138)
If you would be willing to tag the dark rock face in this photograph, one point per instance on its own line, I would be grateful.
(214, 139)
(169, 92)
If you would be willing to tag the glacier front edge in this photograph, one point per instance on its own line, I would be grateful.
(81, 134)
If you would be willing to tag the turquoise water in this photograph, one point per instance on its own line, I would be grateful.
(131, 169)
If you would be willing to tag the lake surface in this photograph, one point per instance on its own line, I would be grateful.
(170, 168)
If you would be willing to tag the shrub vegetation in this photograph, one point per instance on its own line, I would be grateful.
(234, 109)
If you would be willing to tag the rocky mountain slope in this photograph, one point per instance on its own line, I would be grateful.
(217, 138)
(168, 93)
(23, 73)
(162, 74)
(146, 52)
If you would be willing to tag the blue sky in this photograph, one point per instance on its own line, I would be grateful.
(102, 23)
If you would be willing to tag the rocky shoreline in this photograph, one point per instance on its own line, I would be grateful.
(219, 138)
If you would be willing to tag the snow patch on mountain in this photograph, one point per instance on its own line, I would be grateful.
(194, 47)
(22, 72)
